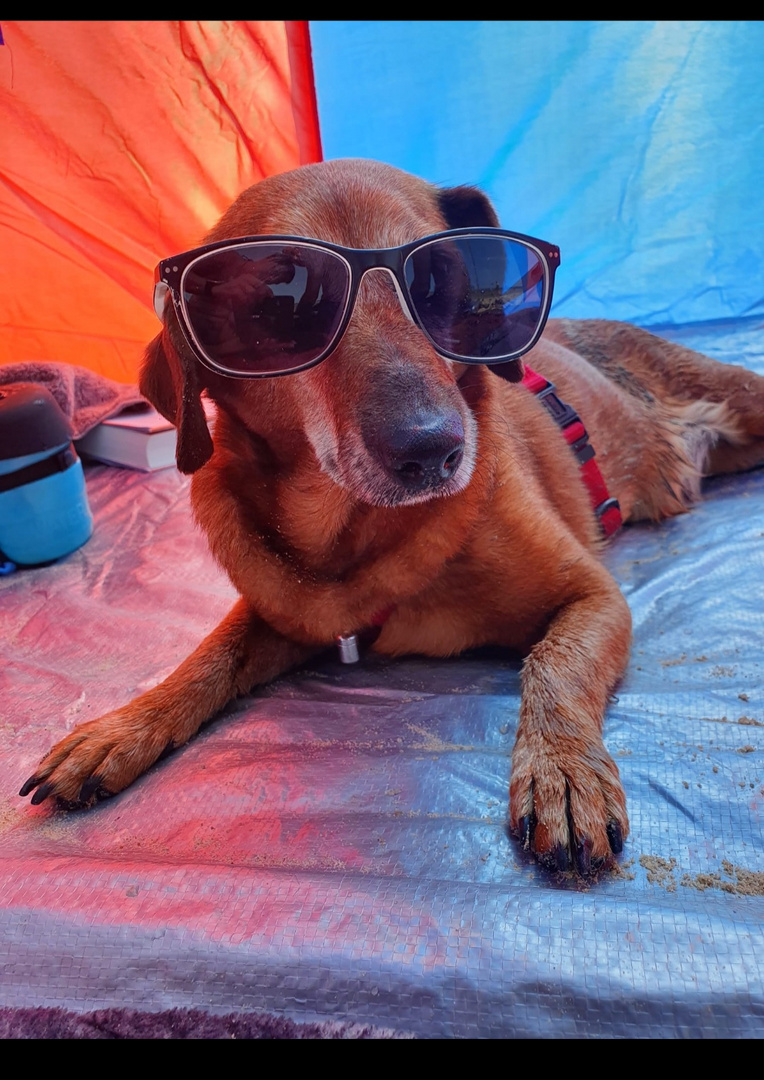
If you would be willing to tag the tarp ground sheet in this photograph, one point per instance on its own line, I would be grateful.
(335, 847)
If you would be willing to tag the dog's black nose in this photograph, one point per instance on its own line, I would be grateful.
(426, 453)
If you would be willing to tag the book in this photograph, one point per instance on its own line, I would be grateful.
(133, 439)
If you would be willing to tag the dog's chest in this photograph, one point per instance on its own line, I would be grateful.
(494, 601)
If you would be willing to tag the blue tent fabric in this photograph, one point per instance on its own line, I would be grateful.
(637, 147)
(335, 847)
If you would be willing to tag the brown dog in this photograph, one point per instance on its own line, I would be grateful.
(390, 487)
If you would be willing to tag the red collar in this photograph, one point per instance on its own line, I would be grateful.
(606, 509)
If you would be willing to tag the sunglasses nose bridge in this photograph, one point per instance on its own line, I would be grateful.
(394, 272)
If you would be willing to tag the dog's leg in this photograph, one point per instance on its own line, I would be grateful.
(566, 800)
(107, 754)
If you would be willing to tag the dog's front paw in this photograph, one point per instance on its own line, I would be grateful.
(566, 803)
(99, 758)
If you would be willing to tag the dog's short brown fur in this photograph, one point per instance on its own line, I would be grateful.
(319, 536)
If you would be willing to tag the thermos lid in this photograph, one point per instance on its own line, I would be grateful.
(30, 421)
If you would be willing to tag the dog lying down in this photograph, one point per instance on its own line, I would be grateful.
(383, 469)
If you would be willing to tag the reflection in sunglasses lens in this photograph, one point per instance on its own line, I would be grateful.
(479, 297)
(265, 307)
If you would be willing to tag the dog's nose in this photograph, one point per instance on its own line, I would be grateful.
(426, 453)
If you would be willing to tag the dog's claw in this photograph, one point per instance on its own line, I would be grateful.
(558, 859)
(89, 788)
(615, 836)
(41, 794)
(29, 785)
(562, 855)
(584, 856)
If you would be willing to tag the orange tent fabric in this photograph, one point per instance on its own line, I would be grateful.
(123, 142)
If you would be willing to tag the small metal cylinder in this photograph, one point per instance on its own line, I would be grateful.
(348, 647)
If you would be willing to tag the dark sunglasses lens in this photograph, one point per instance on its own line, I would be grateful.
(478, 297)
(265, 307)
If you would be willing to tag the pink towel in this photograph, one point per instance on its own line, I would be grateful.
(84, 397)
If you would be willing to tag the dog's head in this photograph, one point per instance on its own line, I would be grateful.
(385, 415)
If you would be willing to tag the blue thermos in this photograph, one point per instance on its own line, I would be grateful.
(44, 512)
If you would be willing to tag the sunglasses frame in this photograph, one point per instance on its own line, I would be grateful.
(170, 274)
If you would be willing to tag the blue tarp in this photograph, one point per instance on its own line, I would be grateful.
(334, 847)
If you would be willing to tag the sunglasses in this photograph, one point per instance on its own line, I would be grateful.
(263, 306)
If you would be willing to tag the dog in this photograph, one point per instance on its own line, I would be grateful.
(407, 486)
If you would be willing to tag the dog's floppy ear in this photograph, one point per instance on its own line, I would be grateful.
(170, 381)
(465, 206)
